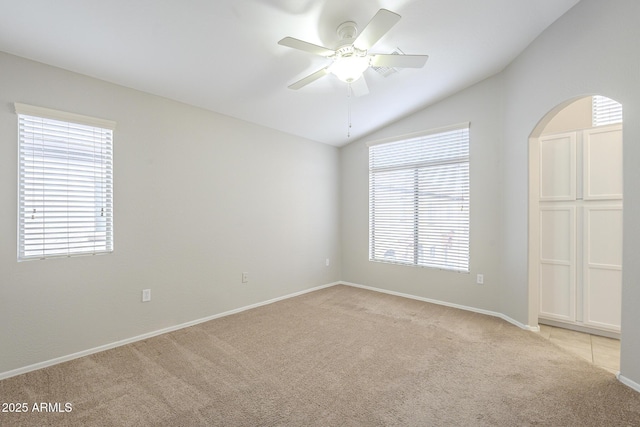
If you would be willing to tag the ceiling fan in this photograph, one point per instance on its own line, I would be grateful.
(351, 58)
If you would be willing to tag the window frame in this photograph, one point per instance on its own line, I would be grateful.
(428, 166)
(87, 148)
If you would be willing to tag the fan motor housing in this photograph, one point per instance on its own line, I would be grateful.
(348, 50)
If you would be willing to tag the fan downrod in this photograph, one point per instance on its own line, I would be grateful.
(347, 30)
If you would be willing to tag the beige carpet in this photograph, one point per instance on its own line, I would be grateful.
(337, 357)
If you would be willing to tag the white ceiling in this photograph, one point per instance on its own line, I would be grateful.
(223, 55)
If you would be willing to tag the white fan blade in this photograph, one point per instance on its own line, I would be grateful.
(359, 87)
(399, 61)
(306, 46)
(309, 79)
(376, 28)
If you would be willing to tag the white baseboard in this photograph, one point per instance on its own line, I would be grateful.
(448, 304)
(57, 360)
(629, 383)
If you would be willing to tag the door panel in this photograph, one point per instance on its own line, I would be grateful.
(602, 299)
(603, 163)
(556, 234)
(558, 167)
(557, 292)
(603, 265)
(558, 263)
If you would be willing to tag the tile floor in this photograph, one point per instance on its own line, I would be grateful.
(601, 351)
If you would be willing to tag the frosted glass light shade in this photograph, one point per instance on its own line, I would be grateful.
(349, 68)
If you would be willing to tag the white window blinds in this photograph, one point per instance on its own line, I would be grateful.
(65, 184)
(606, 111)
(419, 200)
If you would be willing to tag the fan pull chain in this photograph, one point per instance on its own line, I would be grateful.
(349, 92)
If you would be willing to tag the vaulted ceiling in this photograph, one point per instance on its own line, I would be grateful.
(223, 55)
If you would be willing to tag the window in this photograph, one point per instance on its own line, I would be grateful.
(419, 200)
(65, 204)
(606, 111)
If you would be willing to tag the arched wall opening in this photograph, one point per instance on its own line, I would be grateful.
(575, 217)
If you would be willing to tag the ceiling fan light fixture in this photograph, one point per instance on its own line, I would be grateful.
(352, 58)
(349, 68)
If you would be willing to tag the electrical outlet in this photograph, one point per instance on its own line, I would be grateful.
(327, 262)
(146, 295)
(480, 279)
(245, 277)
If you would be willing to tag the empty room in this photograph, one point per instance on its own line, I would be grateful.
(279, 212)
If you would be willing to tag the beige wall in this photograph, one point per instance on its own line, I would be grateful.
(575, 116)
(199, 198)
(590, 50)
(481, 106)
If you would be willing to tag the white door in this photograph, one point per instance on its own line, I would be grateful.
(580, 259)
(602, 276)
(602, 256)
(557, 262)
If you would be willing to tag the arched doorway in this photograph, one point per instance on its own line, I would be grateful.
(575, 217)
